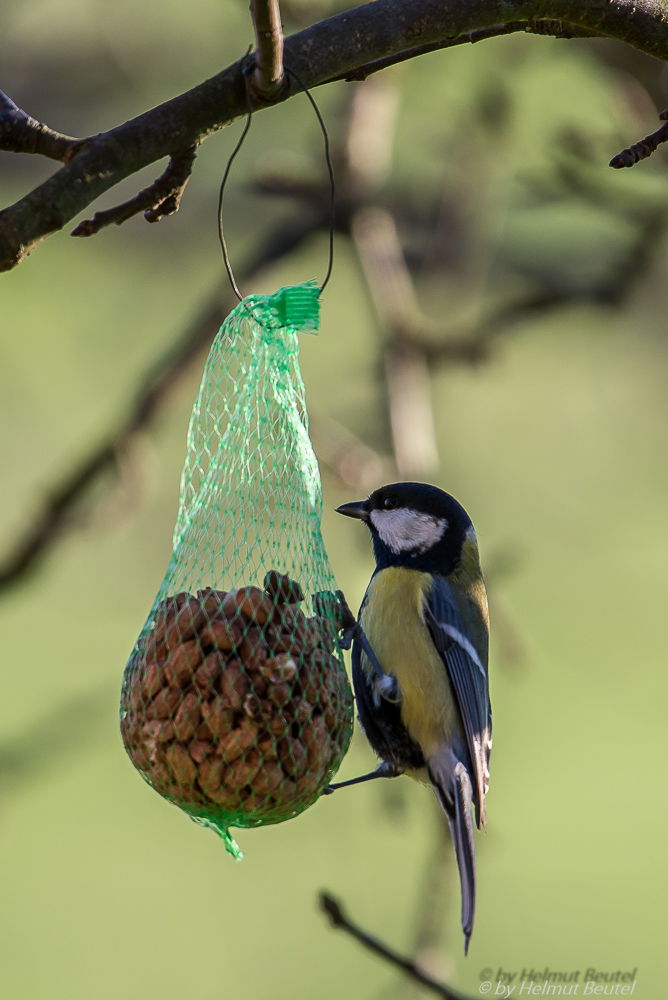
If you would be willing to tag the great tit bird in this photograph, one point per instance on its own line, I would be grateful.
(424, 703)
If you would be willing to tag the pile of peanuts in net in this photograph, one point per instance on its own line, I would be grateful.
(236, 706)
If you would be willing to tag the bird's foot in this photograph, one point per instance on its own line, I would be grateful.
(385, 769)
(387, 688)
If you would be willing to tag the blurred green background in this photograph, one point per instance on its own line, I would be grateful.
(554, 440)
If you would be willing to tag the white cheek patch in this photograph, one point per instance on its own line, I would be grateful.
(405, 530)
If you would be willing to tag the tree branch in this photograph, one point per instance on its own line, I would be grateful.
(44, 744)
(161, 198)
(56, 516)
(556, 28)
(644, 148)
(331, 49)
(19, 133)
(268, 80)
(339, 920)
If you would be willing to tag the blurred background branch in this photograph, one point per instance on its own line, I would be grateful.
(412, 343)
(54, 739)
(59, 514)
(99, 162)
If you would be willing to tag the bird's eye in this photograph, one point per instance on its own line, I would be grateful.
(389, 503)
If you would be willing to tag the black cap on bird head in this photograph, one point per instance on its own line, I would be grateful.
(414, 525)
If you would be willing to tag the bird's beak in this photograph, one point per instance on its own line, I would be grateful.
(356, 509)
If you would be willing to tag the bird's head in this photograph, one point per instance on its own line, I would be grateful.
(413, 524)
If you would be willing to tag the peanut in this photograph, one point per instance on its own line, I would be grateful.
(182, 662)
(253, 649)
(242, 771)
(249, 603)
(163, 704)
(267, 779)
(303, 713)
(293, 757)
(316, 739)
(234, 684)
(161, 732)
(207, 675)
(190, 619)
(226, 799)
(217, 716)
(210, 775)
(280, 668)
(188, 717)
(220, 634)
(279, 694)
(266, 745)
(310, 782)
(316, 632)
(153, 679)
(252, 706)
(203, 732)
(282, 589)
(279, 724)
(211, 600)
(200, 749)
(233, 745)
(181, 765)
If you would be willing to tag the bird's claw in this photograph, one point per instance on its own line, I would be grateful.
(386, 769)
(347, 636)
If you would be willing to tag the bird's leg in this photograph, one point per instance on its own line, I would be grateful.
(347, 622)
(384, 770)
(386, 685)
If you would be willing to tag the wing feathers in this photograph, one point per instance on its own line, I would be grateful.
(469, 680)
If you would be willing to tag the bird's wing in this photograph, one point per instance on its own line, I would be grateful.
(468, 674)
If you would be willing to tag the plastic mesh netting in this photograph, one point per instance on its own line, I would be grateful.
(235, 704)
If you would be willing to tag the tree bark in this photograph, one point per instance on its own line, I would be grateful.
(331, 49)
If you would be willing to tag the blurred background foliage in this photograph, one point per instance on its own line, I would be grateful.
(495, 324)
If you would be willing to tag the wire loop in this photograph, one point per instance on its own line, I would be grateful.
(330, 168)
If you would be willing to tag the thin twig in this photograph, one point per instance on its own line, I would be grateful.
(338, 919)
(641, 150)
(353, 462)
(161, 198)
(268, 81)
(19, 133)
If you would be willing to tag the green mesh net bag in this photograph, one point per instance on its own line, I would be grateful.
(235, 703)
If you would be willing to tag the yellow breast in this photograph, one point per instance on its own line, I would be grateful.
(392, 618)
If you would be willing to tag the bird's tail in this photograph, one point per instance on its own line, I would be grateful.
(454, 790)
